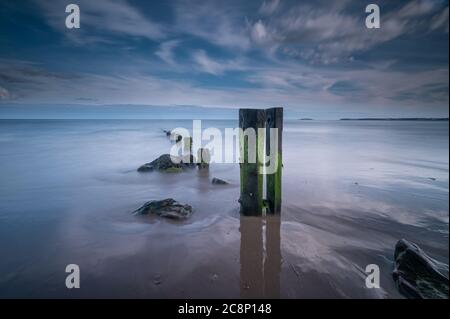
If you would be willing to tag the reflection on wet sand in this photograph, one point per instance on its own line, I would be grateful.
(260, 257)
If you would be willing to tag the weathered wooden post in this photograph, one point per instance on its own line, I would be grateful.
(274, 123)
(251, 142)
(187, 151)
(204, 158)
(188, 145)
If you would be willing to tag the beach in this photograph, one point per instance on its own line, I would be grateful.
(350, 191)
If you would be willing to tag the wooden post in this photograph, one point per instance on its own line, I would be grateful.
(188, 145)
(187, 151)
(274, 120)
(251, 181)
(204, 158)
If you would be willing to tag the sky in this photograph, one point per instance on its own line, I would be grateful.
(187, 58)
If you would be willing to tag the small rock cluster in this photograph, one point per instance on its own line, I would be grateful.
(164, 163)
(170, 208)
(167, 208)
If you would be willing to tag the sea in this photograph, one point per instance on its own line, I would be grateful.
(350, 191)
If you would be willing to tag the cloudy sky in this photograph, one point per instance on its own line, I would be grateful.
(316, 58)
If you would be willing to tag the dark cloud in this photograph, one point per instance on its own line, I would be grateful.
(344, 88)
(428, 93)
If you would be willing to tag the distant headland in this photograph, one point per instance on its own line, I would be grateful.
(397, 119)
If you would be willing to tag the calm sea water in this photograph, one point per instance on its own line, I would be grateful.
(350, 191)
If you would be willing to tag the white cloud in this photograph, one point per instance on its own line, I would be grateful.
(440, 21)
(269, 7)
(165, 51)
(206, 64)
(215, 21)
(259, 32)
(211, 66)
(4, 94)
(417, 8)
(107, 17)
(328, 34)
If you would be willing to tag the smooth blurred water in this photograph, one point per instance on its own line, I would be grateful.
(350, 191)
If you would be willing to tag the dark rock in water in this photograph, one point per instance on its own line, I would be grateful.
(218, 181)
(417, 275)
(167, 208)
(176, 137)
(164, 163)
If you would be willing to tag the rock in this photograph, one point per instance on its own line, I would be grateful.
(164, 163)
(417, 275)
(167, 208)
(218, 181)
(173, 136)
(173, 170)
(157, 280)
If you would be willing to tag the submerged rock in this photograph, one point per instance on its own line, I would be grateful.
(167, 208)
(218, 181)
(417, 275)
(164, 163)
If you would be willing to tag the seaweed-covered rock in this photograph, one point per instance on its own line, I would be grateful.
(417, 275)
(218, 181)
(164, 163)
(167, 208)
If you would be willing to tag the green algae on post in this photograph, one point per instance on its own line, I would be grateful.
(251, 198)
